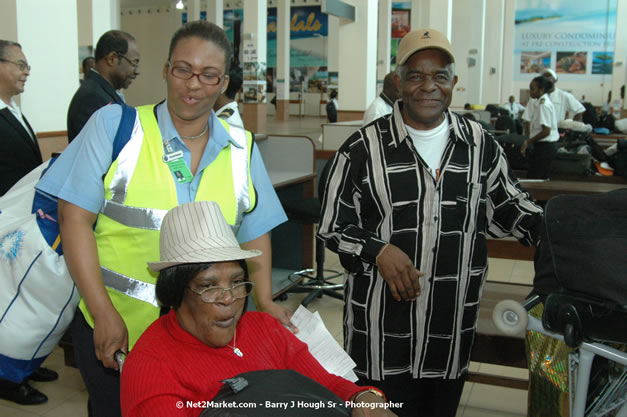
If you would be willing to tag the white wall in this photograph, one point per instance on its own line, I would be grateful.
(152, 28)
(48, 34)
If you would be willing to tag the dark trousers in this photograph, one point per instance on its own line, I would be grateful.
(103, 384)
(541, 159)
(425, 397)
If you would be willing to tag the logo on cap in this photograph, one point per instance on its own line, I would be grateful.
(426, 36)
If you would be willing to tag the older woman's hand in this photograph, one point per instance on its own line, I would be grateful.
(370, 405)
(280, 313)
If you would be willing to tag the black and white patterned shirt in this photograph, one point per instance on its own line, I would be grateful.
(379, 190)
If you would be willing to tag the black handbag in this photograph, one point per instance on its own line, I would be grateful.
(274, 393)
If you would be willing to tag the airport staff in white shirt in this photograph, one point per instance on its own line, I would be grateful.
(383, 104)
(563, 101)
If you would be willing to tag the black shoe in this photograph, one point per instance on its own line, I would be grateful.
(23, 394)
(44, 375)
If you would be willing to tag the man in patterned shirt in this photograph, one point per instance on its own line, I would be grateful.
(409, 204)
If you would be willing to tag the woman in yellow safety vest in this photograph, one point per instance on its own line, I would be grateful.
(178, 152)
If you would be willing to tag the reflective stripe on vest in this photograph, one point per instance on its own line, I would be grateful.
(151, 219)
(132, 287)
(239, 167)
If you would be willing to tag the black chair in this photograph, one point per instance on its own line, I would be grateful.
(316, 281)
(505, 122)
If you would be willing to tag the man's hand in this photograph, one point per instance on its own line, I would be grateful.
(280, 313)
(399, 272)
(110, 335)
(372, 410)
(523, 148)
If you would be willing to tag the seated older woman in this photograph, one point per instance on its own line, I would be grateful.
(207, 336)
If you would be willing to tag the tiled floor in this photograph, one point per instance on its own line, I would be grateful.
(67, 396)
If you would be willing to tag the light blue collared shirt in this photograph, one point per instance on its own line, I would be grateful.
(78, 174)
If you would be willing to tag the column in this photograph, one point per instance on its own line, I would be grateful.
(357, 65)
(492, 76)
(254, 65)
(468, 47)
(434, 14)
(384, 40)
(282, 75)
(193, 10)
(215, 12)
(507, 55)
(619, 72)
(53, 57)
(105, 16)
(333, 44)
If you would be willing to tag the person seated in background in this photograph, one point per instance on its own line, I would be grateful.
(515, 110)
(332, 107)
(226, 106)
(563, 102)
(207, 336)
(382, 105)
(543, 132)
(467, 106)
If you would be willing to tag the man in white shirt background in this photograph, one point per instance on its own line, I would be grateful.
(514, 109)
(383, 104)
(226, 106)
(563, 102)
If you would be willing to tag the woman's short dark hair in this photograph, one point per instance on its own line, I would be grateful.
(172, 281)
(207, 31)
(543, 83)
(113, 41)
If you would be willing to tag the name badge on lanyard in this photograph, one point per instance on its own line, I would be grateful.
(177, 165)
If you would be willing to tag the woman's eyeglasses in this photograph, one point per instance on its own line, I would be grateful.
(206, 78)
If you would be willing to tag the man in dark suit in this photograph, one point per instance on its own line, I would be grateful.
(19, 150)
(117, 65)
(19, 154)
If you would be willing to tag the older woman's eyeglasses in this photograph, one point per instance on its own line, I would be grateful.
(206, 78)
(215, 294)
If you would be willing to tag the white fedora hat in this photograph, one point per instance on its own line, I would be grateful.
(197, 232)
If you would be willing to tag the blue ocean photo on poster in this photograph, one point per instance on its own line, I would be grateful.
(602, 62)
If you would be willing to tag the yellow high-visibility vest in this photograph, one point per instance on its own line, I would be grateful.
(139, 190)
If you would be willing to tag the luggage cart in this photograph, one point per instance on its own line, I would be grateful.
(511, 317)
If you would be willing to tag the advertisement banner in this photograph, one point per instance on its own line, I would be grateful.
(309, 30)
(571, 37)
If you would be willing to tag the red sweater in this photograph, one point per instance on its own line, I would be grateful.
(167, 365)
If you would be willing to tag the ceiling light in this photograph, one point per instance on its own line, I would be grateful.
(179, 5)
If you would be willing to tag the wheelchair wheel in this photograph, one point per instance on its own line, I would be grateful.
(510, 317)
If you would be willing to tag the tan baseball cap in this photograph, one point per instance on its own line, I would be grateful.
(420, 39)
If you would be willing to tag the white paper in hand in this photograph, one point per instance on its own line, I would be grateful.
(322, 345)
